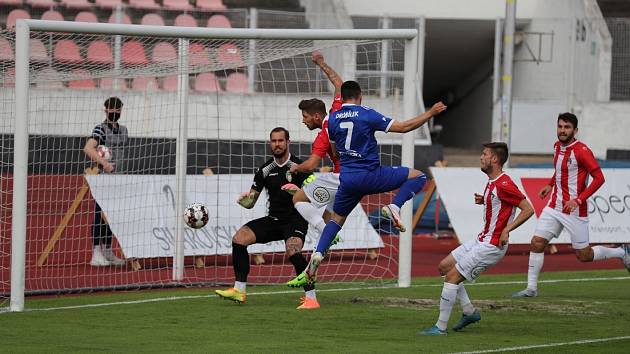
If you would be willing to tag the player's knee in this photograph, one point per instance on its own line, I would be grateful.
(244, 237)
(538, 244)
(300, 196)
(444, 268)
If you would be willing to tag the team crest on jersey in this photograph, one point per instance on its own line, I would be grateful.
(289, 176)
(321, 195)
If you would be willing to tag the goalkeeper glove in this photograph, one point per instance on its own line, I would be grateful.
(246, 200)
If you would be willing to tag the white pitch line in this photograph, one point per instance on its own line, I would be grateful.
(189, 297)
(536, 346)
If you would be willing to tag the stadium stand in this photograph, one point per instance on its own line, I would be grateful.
(182, 5)
(144, 4)
(76, 4)
(39, 54)
(86, 16)
(6, 50)
(125, 18)
(86, 83)
(132, 53)
(198, 55)
(100, 52)
(53, 80)
(236, 82)
(10, 2)
(52, 15)
(152, 19)
(67, 51)
(207, 82)
(229, 53)
(15, 15)
(107, 83)
(185, 20)
(212, 5)
(108, 4)
(164, 52)
(170, 83)
(8, 80)
(41, 4)
(218, 21)
(144, 83)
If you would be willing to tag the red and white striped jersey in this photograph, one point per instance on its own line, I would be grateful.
(500, 199)
(573, 164)
(321, 145)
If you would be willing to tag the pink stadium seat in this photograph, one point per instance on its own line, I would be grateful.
(215, 5)
(229, 53)
(182, 5)
(86, 16)
(218, 21)
(85, 81)
(67, 51)
(99, 52)
(207, 82)
(164, 52)
(125, 18)
(198, 55)
(185, 20)
(107, 4)
(15, 15)
(52, 15)
(76, 4)
(146, 83)
(170, 83)
(133, 53)
(144, 4)
(152, 20)
(236, 82)
(39, 54)
(8, 79)
(107, 83)
(6, 50)
(48, 78)
(10, 2)
(41, 4)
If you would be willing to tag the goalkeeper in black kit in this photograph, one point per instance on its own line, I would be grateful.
(283, 222)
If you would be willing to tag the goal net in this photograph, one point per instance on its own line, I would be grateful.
(222, 97)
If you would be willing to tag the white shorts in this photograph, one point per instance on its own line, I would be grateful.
(321, 192)
(551, 223)
(473, 257)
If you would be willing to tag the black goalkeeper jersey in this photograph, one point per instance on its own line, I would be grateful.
(273, 176)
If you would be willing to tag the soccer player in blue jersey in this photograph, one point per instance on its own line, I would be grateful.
(351, 130)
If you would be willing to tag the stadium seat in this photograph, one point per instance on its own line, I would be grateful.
(144, 4)
(67, 51)
(236, 82)
(230, 54)
(52, 15)
(170, 83)
(41, 4)
(76, 4)
(10, 2)
(152, 20)
(39, 54)
(125, 18)
(6, 50)
(145, 83)
(15, 15)
(107, 83)
(185, 20)
(164, 52)
(182, 5)
(133, 53)
(219, 21)
(214, 5)
(107, 4)
(86, 16)
(207, 82)
(198, 55)
(85, 81)
(8, 79)
(100, 52)
(48, 78)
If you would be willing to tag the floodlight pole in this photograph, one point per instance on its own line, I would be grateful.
(508, 68)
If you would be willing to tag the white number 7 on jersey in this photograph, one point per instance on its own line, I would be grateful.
(349, 126)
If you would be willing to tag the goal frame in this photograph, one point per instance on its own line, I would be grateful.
(412, 103)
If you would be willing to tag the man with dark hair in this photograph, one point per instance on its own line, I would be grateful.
(500, 199)
(114, 136)
(351, 131)
(283, 222)
(573, 163)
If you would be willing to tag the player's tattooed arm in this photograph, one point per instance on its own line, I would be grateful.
(332, 75)
(248, 199)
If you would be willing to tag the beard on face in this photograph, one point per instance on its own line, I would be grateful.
(279, 152)
(566, 137)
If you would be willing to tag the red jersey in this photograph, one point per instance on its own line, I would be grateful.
(321, 145)
(573, 164)
(500, 199)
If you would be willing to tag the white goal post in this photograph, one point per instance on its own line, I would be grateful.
(412, 99)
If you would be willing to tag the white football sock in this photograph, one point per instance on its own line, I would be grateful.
(536, 261)
(240, 285)
(311, 215)
(310, 294)
(464, 300)
(601, 253)
(447, 300)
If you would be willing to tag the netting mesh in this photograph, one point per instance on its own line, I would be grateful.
(235, 97)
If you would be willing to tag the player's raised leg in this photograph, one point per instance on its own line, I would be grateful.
(294, 253)
(414, 184)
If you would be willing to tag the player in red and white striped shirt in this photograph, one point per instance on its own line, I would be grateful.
(573, 162)
(500, 199)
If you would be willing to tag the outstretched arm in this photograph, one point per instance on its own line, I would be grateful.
(307, 166)
(413, 123)
(332, 75)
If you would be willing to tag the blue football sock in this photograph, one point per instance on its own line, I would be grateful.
(409, 189)
(328, 235)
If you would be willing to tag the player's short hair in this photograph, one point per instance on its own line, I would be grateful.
(568, 117)
(280, 129)
(113, 103)
(500, 150)
(350, 90)
(312, 106)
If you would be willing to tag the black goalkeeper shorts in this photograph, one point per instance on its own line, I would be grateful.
(268, 229)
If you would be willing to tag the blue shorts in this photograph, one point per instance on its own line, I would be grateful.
(355, 185)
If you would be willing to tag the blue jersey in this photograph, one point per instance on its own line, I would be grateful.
(352, 129)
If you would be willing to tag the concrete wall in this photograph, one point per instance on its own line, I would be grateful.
(605, 126)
